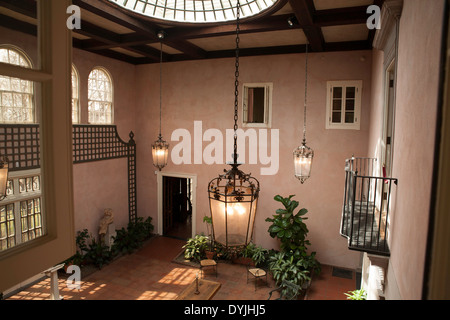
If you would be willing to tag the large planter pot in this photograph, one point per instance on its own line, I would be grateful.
(209, 254)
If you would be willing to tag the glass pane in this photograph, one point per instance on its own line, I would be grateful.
(349, 117)
(350, 92)
(337, 93)
(336, 117)
(350, 105)
(337, 105)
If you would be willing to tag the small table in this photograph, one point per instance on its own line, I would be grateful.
(206, 288)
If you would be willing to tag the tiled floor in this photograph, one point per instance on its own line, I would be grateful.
(151, 274)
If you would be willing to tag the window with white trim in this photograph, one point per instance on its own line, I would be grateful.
(257, 105)
(75, 95)
(100, 97)
(16, 95)
(344, 105)
(21, 218)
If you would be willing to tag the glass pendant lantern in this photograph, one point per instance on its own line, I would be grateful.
(304, 155)
(233, 196)
(160, 148)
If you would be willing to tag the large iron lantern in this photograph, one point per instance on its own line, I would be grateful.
(233, 196)
(3, 176)
(233, 199)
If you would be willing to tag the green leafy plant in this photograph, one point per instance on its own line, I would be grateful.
(289, 227)
(208, 221)
(195, 248)
(132, 238)
(259, 256)
(285, 268)
(79, 258)
(98, 254)
(360, 294)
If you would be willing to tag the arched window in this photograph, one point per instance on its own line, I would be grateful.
(16, 95)
(75, 95)
(100, 96)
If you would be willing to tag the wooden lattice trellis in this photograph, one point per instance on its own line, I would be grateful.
(21, 144)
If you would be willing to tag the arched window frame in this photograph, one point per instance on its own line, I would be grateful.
(17, 95)
(75, 95)
(93, 118)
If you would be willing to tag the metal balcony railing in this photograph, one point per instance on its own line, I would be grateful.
(365, 212)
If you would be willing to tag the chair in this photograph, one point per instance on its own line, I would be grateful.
(256, 273)
(208, 263)
(288, 291)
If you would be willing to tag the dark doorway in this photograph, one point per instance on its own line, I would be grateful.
(177, 207)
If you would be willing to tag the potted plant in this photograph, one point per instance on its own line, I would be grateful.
(293, 263)
(360, 294)
(195, 248)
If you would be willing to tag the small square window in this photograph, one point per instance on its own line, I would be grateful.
(257, 105)
(344, 105)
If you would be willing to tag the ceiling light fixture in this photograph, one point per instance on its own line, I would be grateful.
(233, 196)
(303, 155)
(160, 148)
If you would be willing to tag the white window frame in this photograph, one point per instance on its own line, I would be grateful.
(16, 198)
(356, 125)
(30, 94)
(268, 92)
(75, 96)
(111, 102)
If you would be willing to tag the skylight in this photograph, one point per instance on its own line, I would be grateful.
(195, 11)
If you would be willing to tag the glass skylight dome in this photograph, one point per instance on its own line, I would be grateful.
(195, 11)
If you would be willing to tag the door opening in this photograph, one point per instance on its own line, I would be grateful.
(177, 207)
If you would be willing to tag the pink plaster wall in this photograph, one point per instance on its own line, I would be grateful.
(204, 91)
(416, 106)
(104, 184)
(417, 98)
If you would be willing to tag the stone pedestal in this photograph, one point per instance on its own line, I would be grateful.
(110, 234)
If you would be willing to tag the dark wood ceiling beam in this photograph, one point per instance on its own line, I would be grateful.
(117, 16)
(97, 33)
(25, 7)
(340, 16)
(17, 25)
(304, 10)
(148, 31)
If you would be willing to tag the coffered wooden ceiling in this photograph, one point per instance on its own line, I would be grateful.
(109, 30)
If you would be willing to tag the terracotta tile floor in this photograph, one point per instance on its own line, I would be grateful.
(150, 274)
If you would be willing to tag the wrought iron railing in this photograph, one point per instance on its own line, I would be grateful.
(366, 207)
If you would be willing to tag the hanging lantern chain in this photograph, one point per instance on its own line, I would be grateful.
(160, 90)
(236, 83)
(306, 96)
